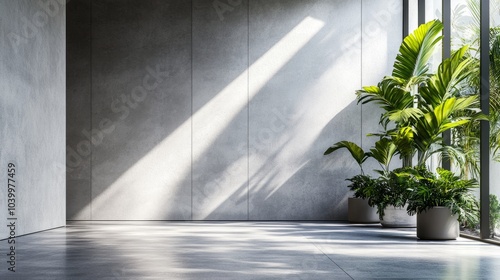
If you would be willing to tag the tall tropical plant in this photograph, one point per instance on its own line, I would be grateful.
(397, 94)
(421, 105)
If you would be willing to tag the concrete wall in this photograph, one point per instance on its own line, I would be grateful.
(380, 46)
(32, 113)
(78, 117)
(219, 110)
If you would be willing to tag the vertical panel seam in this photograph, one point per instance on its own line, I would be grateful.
(361, 72)
(248, 109)
(192, 81)
(90, 105)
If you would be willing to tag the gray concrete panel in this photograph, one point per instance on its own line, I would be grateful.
(302, 80)
(381, 36)
(32, 113)
(141, 104)
(272, 85)
(78, 87)
(220, 115)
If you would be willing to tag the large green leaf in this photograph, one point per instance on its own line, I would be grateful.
(391, 97)
(410, 68)
(403, 139)
(415, 51)
(356, 151)
(447, 115)
(446, 82)
(383, 152)
(405, 115)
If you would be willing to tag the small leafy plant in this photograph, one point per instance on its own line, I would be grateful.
(444, 189)
(363, 186)
(392, 189)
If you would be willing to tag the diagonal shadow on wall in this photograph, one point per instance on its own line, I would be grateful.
(262, 158)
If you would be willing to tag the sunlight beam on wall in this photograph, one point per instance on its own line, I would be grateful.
(263, 70)
(230, 104)
(146, 190)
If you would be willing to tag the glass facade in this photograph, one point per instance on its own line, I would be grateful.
(469, 21)
(464, 25)
(494, 183)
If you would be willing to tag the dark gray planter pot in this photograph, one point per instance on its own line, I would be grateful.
(358, 211)
(437, 223)
(398, 217)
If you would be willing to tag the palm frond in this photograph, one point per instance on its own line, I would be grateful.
(383, 152)
(404, 115)
(415, 51)
(445, 83)
(357, 153)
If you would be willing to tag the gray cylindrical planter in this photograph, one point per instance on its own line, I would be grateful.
(398, 217)
(360, 212)
(437, 223)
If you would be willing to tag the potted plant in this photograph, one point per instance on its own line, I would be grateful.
(391, 198)
(441, 202)
(418, 108)
(382, 192)
(359, 211)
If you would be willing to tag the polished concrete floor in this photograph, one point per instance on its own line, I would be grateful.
(244, 250)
